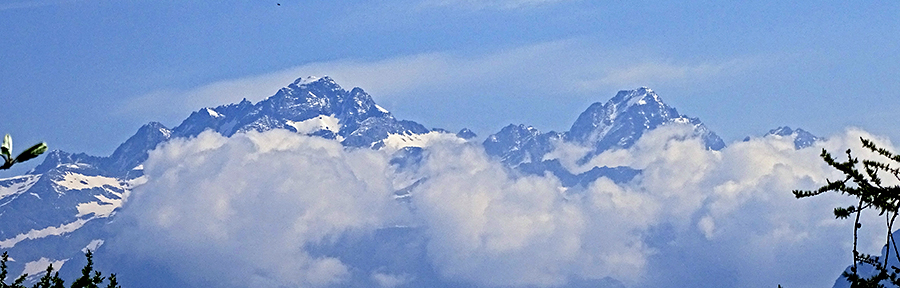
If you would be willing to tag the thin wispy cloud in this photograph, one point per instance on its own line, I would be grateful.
(647, 72)
(543, 70)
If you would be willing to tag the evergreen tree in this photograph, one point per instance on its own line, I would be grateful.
(48, 281)
(17, 283)
(871, 193)
(113, 283)
(87, 280)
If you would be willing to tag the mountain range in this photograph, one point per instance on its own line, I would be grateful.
(64, 205)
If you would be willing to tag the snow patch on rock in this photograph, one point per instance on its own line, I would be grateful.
(321, 122)
(74, 181)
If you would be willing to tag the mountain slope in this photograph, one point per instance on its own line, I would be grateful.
(312, 106)
(65, 204)
(52, 212)
(622, 120)
(802, 138)
(618, 123)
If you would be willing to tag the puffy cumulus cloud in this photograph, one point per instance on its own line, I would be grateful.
(693, 217)
(389, 280)
(489, 227)
(259, 206)
(242, 211)
(727, 218)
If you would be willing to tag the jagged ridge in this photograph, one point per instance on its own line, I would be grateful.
(618, 123)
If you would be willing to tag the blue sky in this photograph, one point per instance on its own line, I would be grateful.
(84, 75)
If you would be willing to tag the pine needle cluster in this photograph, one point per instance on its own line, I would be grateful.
(867, 186)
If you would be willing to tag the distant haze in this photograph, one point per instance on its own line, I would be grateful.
(84, 75)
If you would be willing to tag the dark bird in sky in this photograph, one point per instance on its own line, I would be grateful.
(279, 4)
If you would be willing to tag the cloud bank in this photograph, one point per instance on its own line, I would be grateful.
(250, 204)
(276, 209)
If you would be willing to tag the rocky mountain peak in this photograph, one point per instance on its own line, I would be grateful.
(135, 150)
(802, 138)
(641, 96)
(516, 144)
(467, 134)
(624, 118)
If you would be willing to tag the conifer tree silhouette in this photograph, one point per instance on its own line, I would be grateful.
(871, 193)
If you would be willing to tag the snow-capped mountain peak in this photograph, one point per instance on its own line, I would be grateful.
(641, 96)
(309, 79)
(212, 113)
(624, 118)
(62, 197)
(802, 138)
(314, 84)
(516, 144)
(134, 151)
(309, 105)
(781, 131)
(617, 123)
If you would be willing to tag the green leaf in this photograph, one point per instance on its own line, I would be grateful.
(32, 152)
(6, 149)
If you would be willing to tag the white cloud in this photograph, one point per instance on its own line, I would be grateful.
(491, 228)
(264, 202)
(384, 78)
(547, 70)
(256, 201)
(389, 280)
(730, 209)
(659, 72)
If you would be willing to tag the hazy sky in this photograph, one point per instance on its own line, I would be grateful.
(84, 75)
